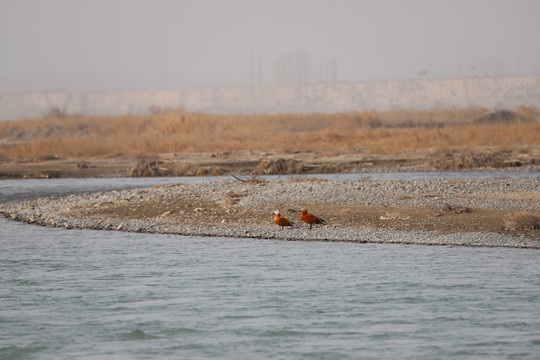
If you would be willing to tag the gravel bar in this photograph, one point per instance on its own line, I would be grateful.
(236, 209)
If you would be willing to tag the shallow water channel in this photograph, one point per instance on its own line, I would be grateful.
(106, 294)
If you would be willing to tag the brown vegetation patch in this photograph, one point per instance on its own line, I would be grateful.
(473, 159)
(279, 167)
(300, 143)
(151, 168)
(146, 136)
(455, 209)
(502, 117)
(522, 220)
(162, 168)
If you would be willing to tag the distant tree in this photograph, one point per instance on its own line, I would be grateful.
(157, 110)
(56, 112)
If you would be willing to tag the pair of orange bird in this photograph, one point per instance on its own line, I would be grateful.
(305, 216)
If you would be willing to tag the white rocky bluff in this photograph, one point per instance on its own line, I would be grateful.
(509, 92)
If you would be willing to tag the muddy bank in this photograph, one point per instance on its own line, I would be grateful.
(473, 212)
(269, 163)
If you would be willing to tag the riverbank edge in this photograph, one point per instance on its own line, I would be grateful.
(363, 235)
(269, 163)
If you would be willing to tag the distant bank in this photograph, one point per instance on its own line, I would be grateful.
(502, 92)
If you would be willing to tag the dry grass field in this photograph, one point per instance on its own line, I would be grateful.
(448, 136)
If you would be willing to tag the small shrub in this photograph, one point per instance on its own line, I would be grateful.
(279, 167)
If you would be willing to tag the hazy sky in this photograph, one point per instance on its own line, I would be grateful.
(95, 45)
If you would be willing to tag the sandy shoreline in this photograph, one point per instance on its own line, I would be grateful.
(470, 212)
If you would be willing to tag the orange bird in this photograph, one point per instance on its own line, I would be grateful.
(311, 219)
(280, 220)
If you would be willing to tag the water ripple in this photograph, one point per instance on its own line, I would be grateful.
(121, 295)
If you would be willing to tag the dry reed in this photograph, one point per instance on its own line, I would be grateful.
(146, 136)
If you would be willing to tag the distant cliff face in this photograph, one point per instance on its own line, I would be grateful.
(333, 97)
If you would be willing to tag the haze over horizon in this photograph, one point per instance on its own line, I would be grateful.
(122, 45)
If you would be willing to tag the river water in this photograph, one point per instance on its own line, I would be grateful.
(81, 294)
